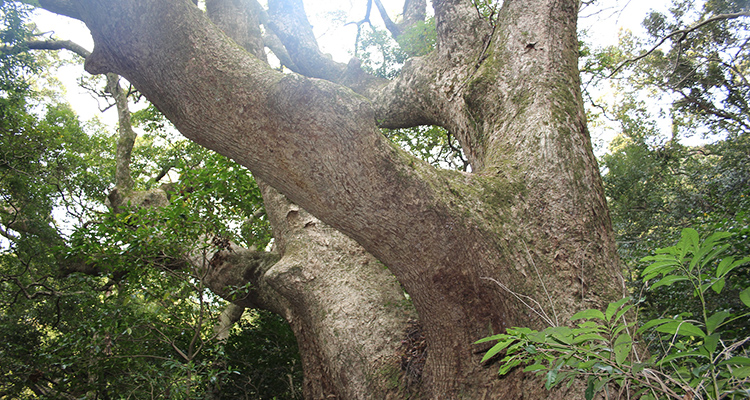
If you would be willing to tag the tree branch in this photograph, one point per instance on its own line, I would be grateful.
(229, 316)
(458, 26)
(414, 11)
(237, 276)
(123, 179)
(58, 45)
(390, 25)
(289, 22)
(682, 33)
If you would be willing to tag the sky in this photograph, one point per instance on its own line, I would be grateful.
(602, 23)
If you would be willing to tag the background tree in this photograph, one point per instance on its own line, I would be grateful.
(93, 302)
(680, 155)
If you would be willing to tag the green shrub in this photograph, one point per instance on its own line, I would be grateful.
(689, 358)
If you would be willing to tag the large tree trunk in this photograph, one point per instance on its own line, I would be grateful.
(531, 216)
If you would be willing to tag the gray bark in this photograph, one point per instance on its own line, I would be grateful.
(345, 308)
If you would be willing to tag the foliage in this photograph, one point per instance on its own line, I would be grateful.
(488, 9)
(705, 70)
(380, 54)
(99, 304)
(691, 357)
(432, 144)
(15, 61)
(383, 56)
(655, 186)
(263, 353)
(695, 59)
(420, 39)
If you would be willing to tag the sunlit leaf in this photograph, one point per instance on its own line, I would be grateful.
(680, 328)
(613, 307)
(587, 314)
(622, 347)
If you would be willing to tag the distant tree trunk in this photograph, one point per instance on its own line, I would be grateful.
(531, 215)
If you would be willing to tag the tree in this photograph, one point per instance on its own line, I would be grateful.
(659, 181)
(531, 215)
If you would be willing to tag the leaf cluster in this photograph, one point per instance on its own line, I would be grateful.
(693, 359)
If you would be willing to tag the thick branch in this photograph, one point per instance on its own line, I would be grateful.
(242, 18)
(314, 141)
(459, 27)
(123, 179)
(231, 314)
(414, 11)
(237, 275)
(390, 25)
(288, 20)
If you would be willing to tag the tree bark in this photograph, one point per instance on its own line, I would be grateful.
(531, 215)
(330, 285)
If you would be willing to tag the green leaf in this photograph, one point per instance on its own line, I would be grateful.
(668, 280)
(723, 271)
(592, 326)
(600, 384)
(715, 320)
(690, 240)
(588, 337)
(560, 334)
(623, 311)
(535, 367)
(500, 336)
(707, 255)
(613, 307)
(724, 266)
(741, 373)
(681, 328)
(623, 345)
(710, 342)
(621, 327)
(589, 393)
(586, 365)
(679, 355)
(551, 377)
(500, 346)
(745, 296)
(652, 323)
(509, 365)
(520, 331)
(737, 360)
(659, 267)
(717, 236)
(588, 314)
(638, 367)
(718, 285)
(603, 367)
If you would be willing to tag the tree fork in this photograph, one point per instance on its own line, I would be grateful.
(532, 215)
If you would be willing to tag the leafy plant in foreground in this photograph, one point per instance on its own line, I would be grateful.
(691, 359)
